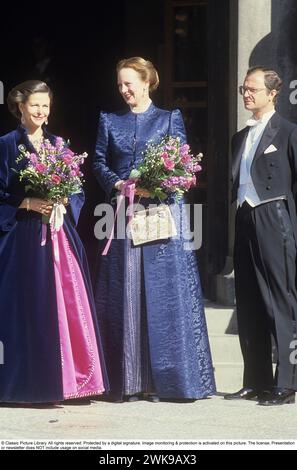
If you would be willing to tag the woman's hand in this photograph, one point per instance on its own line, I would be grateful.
(142, 192)
(35, 204)
(119, 184)
(65, 201)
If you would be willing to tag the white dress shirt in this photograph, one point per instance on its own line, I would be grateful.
(246, 191)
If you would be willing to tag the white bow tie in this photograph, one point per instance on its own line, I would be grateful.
(253, 122)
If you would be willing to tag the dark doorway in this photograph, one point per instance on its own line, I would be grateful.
(76, 53)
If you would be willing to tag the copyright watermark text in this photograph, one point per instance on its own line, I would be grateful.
(1, 93)
(113, 224)
(1, 353)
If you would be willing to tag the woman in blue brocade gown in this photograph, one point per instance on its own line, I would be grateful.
(149, 300)
(48, 328)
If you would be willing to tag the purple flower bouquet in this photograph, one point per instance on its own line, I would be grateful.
(168, 168)
(54, 172)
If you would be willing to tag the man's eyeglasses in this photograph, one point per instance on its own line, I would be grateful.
(251, 91)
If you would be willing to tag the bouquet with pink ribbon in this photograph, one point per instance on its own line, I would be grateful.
(168, 168)
(53, 173)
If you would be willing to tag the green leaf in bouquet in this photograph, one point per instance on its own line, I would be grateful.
(177, 172)
(135, 174)
(158, 192)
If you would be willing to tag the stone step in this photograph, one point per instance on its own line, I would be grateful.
(220, 320)
(225, 349)
(228, 377)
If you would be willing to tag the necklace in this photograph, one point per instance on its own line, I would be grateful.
(36, 142)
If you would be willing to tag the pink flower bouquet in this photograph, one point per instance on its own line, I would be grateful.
(168, 168)
(54, 172)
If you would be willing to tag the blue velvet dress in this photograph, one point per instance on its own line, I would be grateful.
(149, 300)
(29, 330)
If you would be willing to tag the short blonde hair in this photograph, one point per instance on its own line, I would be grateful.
(145, 68)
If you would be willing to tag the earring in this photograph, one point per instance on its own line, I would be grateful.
(22, 119)
(46, 122)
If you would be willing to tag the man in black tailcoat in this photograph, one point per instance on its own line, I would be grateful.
(264, 173)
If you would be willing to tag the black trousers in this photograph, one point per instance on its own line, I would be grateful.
(265, 285)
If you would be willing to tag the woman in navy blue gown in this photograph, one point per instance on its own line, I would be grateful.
(148, 298)
(48, 326)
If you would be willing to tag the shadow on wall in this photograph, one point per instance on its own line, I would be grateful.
(278, 51)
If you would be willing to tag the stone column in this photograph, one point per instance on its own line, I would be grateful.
(254, 24)
(250, 23)
(278, 51)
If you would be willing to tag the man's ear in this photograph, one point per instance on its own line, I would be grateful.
(273, 94)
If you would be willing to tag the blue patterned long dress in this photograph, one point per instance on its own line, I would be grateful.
(149, 300)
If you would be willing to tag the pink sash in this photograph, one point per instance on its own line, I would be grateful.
(128, 190)
(81, 368)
